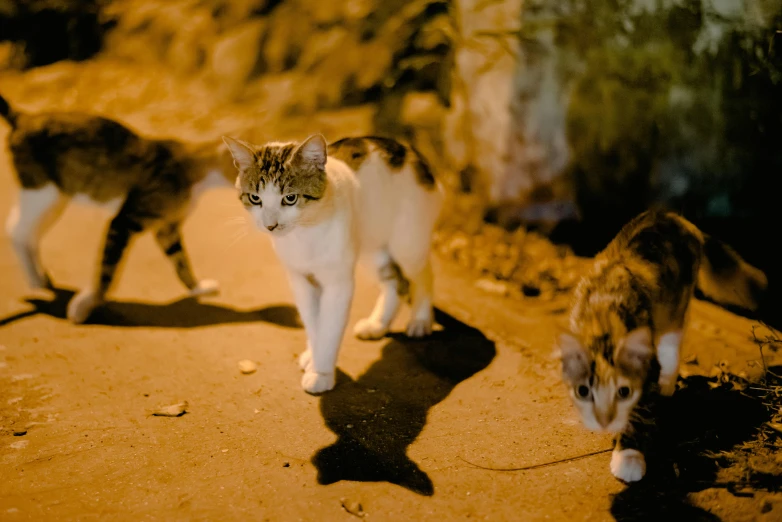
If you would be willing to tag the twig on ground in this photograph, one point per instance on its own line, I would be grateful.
(771, 340)
(542, 465)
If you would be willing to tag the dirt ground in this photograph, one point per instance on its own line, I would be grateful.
(401, 435)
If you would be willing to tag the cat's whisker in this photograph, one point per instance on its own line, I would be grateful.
(238, 236)
(237, 221)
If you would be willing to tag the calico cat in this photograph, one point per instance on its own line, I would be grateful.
(323, 206)
(145, 184)
(627, 321)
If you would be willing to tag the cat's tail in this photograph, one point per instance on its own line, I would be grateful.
(7, 112)
(723, 275)
(726, 278)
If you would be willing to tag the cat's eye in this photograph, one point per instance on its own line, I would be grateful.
(582, 391)
(290, 199)
(255, 199)
(623, 392)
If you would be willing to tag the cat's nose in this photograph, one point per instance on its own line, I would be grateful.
(603, 418)
(271, 227)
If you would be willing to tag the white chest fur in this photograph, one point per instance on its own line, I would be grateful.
(324, 248)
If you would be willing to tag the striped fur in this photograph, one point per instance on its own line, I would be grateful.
(144, 184)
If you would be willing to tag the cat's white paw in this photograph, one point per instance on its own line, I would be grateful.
(305, 360)
(628, 465)
(82, 305)
(419, 328)
(369, 329)
(206, 287)
(316, 383)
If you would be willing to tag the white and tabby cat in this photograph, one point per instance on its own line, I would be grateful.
(146, 184)
(326, 205)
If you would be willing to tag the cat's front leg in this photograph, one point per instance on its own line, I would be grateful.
(668, 354)
(306, 293)
(169, 239)
(627, 464)
(334, 308)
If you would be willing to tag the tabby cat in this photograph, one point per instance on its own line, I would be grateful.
(627, 321)
(145, 184)
(325, 205)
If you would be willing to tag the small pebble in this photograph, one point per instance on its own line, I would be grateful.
(247, 366)
(21, 433)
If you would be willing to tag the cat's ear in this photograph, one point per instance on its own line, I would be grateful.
(312, 152)
(575, 359)
(635, 351)
(242, 152)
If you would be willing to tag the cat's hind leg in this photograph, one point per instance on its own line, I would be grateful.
(169, 239)
(35, 212)
(393, 286)
(422, 313)
(421, 278)
(410, 247)
(121, 230)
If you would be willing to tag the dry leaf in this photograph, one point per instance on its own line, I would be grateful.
(174, 410)
(352, 507)
(492, 286)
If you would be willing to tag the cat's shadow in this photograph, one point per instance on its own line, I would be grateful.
(378, 415)
(696, 426)
(188, 312)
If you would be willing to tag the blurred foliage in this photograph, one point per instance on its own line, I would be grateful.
(672, 102)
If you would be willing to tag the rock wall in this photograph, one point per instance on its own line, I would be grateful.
(46, 31)
(546, 110)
